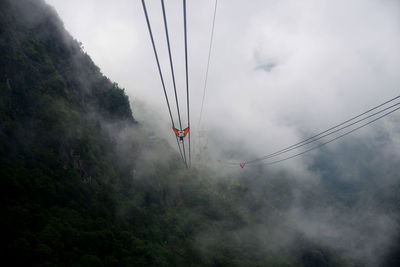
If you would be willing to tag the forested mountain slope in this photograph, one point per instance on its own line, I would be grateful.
(81, 185)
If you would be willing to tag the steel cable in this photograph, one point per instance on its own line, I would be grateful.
(330, 141)
(173, 75)
(208, 63)
(318, 136)
(160, 72)
(187, 76)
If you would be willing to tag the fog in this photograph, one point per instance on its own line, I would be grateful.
(280, 71)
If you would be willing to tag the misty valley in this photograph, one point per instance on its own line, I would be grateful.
(88, 180)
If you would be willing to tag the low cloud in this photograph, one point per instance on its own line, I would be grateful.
(280, 71)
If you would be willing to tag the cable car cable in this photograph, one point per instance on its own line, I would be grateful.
(160, 72)
(172, 73)
(330, 141)
(321, 136)
(321, 133)
(208, 63)
(187, 75)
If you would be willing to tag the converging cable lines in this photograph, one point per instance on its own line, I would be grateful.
(335, 129)
(161, 75)
(334, 139)
(171, 62)
(208, 62)
(328, 131)
(173, 75)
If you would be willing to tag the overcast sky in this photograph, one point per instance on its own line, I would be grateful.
(278, 68)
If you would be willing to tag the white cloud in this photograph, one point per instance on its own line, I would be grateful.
(333, 59)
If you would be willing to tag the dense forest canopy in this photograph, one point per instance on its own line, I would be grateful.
(83, 185)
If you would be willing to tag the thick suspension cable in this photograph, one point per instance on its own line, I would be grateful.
(208, 62)
(330, 141)
(160, 72)
(187, 76)
(157, 60)
(173, 74)
(318, 136)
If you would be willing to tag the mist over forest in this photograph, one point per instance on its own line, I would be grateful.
(90, 171)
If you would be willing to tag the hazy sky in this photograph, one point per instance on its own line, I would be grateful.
(278, 68)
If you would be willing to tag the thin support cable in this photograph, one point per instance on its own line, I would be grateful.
(321, 133)
(334, 139)
(160, 72)
(325, 135)
(187, 76)
(172, 71)
(208, 63)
